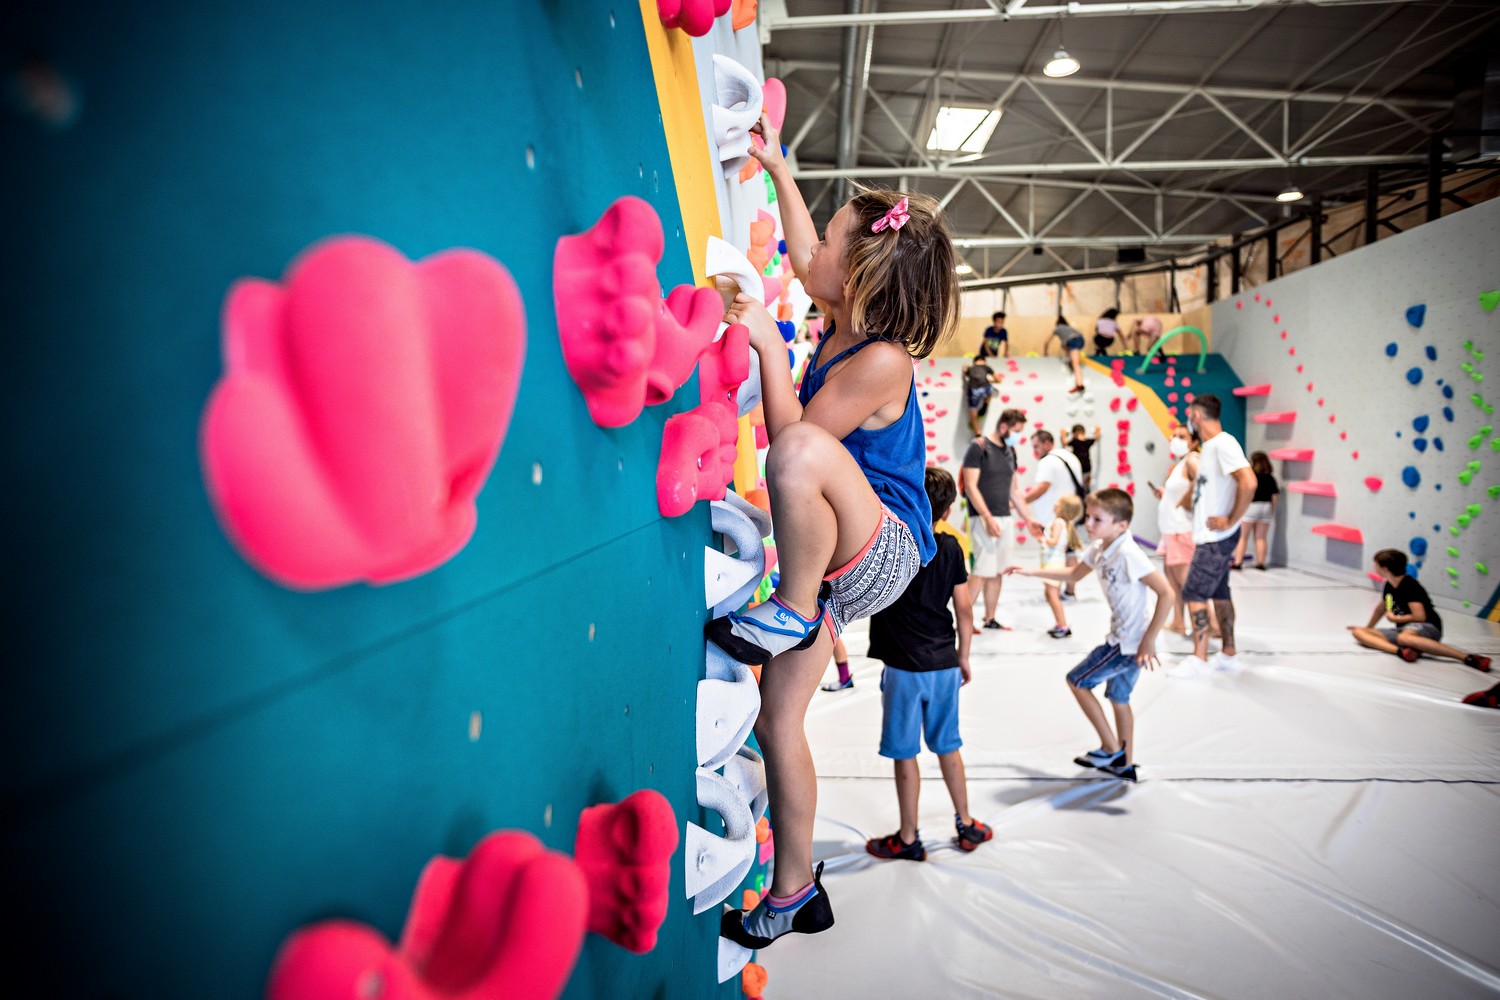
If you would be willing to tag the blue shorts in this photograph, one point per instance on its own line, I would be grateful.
(1074, 343)
(919, 702)
(1107, 663)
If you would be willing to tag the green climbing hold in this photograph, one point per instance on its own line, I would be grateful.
(1481, 569)
(1495, 444)
(1452, 552)
(1468, 367)
(1462, 519)
(1468, 604)
(1488, 409)
(1473, 509)
(1466, 477)
(1476, 441)
(1473, 466)
(1478, 354)
(1452, 571)
(1487, 429)
(1488, 300)
(1468, 345)
(1453, 532)
(1476, 399)
(1495, 492)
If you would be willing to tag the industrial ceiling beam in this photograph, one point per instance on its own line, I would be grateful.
(781, 67)
(979, 242)
(1090, 167)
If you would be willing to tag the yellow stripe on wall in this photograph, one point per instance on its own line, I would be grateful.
(681, 103)
(1152, 403)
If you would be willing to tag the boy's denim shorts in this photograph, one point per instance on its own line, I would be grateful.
(1107, 664)
(919, 703)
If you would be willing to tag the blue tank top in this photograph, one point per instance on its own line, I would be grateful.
(893, 458)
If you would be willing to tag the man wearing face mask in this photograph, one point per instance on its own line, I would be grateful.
(992, 488)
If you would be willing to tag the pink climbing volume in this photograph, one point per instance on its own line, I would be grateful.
(363, 403)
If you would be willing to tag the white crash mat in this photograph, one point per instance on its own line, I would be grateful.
(1323, 823)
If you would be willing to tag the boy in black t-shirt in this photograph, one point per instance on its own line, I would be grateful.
(1416, 626)
(914, 637)
(978, 389)
(996, 341)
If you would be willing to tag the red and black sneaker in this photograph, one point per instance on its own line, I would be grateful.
(1477, 662)
(1485, 699)
(971, 836)
(893, 848)
(1408, 654)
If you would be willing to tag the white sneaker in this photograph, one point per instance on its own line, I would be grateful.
(1188, 666)
(1228, 664)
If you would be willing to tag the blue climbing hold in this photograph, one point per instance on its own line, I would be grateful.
(1412, 514)
(1419, 443)
(1437, 527)
(1447, 392)
(1418, 546)
(1411, 477)
(1390, 349)
(1437, 442)
(781, 247)
(1416, 314)
(1420, 424)
(1437, 486)
(1398, 433)
(1414, 375)
(1448, 414)
(775, 578)
(1413, 570)
(788, 330)
(1431, 353)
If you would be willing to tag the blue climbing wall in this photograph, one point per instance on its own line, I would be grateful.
(197, 760)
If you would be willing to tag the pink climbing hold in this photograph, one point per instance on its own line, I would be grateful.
(508, 920)
(1186, 381)
(1118, 364)
(932, 434)
(944, 458)
(1283, 334)
(696, 17)
(1114, 405)
(1132, 403)
(1169, 381)
(624, 346)
(1320, 400)
(1374, 483)
(1257, 296)
(1037, 399)
(1311, 488)
(1309, 387)
(942, 413)
(1291, 350)
(1239, 305)
(1354, 455)
(931, 406)
(1287, 417)
(1341, 532)
(723, 365)
(1005, 399)
(1276, 318)
(363, 403)
(1343, 435)
(1251, 390)
(1268, 303)
(1188, 398)
(696, 462)
(1171, 397)
(1130, 488)
(625, 850)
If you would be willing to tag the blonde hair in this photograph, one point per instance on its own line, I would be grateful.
(1070, 509)
(903, 286)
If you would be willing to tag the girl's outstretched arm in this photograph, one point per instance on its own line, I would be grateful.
(796, 222)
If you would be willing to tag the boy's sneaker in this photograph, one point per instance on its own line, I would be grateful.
(1477, 662)
(991, 623)
(1121, 770)
(839, 685)
(1099, 758)
(1059, 631)
(971, 836)
(768, 628)
(1408, 654)
(762, 925)
(1228, 664)
(893, 848)
(1188, 666)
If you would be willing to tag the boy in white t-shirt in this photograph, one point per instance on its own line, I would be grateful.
(1221, 494)
(1126, 574)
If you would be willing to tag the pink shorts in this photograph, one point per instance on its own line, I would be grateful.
(1177, 549)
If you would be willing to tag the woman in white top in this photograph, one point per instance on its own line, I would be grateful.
(1174, 522)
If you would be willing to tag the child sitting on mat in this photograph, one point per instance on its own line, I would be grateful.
(1416, 627)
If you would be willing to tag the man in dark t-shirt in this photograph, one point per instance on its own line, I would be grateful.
(1416, 627)
(915, 638)
(991, 488)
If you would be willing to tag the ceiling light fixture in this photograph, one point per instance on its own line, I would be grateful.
(1061, 63)
(963, 267)
(1292, 193)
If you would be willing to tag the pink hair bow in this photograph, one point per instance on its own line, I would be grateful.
(895, 218)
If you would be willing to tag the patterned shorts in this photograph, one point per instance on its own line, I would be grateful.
(876, 576)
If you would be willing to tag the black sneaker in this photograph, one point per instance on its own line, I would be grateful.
(893, 848)
(1059, 631)
(812, 917)
(991, 623)
(1100, 759)
(971, 836)
(1120, 770)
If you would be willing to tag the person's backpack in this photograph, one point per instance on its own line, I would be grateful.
(1077, 487)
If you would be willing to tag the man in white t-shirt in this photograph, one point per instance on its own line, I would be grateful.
(1221, 494)
(1058, 474)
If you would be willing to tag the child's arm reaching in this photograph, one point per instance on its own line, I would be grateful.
(1070, 575)
(875, 383)
(1145, 654)
(796, 221)
(962, 627)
